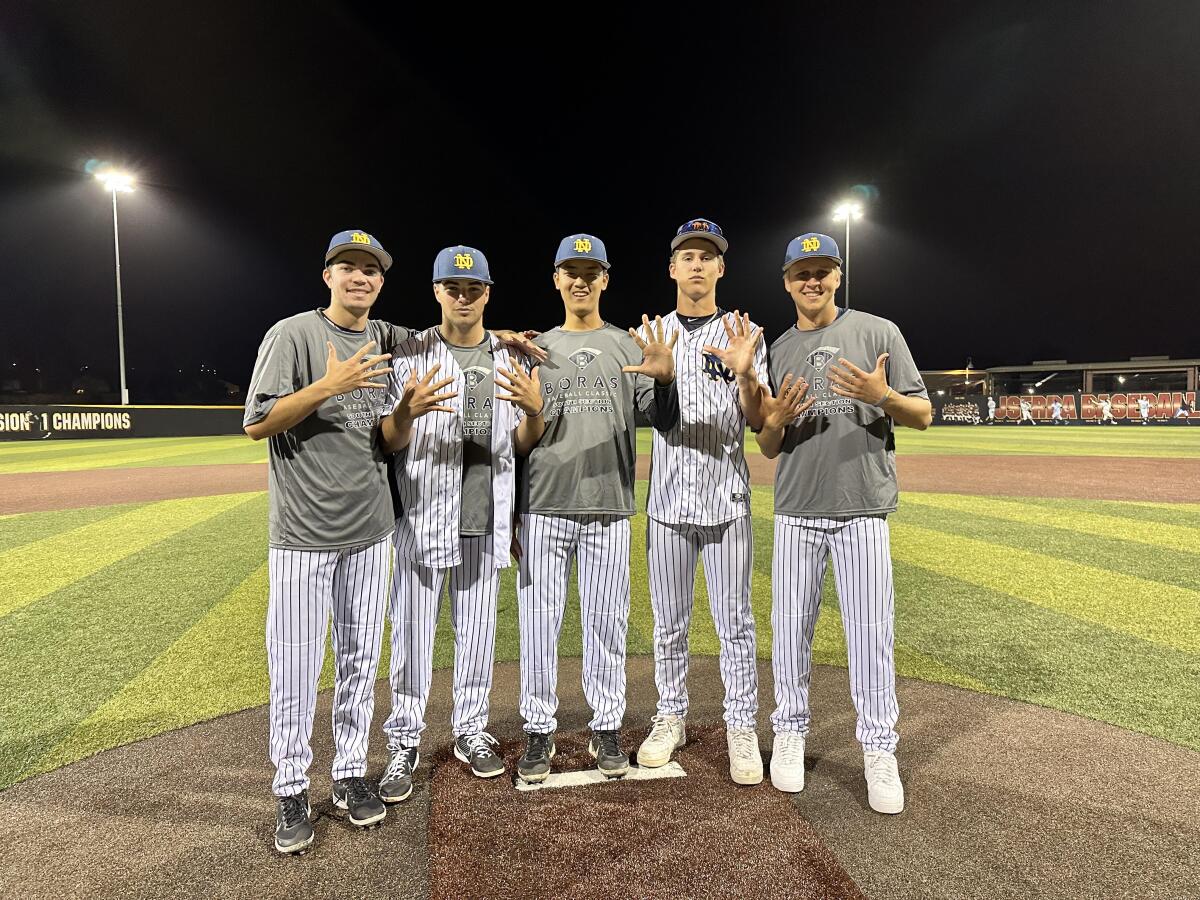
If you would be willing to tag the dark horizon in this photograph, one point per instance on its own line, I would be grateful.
(1030, 170)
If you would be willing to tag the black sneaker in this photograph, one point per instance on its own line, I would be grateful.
(396, 783)
(356, 797)
(605, 747)
(534, 766)
(293, 830)
(476, 751)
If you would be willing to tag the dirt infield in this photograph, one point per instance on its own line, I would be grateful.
(625, 839)
(1005, 800)
(1086, 477)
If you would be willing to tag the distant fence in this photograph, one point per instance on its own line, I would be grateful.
(38, 423)
(1178, 408)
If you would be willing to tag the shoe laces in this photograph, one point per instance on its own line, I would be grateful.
(356, 790)
(609, 742)
(881, 767)
(744, 741)
(661, 726)
(295, 810)
(791, 749)
(539, 745)
(479, 744)
(400, 765)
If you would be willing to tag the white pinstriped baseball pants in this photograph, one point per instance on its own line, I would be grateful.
(600, 546)
(862, 569)
(305, 587)
(728, 553)
(416, 601)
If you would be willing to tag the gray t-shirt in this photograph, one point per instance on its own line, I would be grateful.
(839, 458)
(328, 474)
(477, 368)
(584, 463)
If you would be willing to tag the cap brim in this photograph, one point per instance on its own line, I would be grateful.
(486, 281)
(605, 264)
(715, 239)
(385, 258)
(790, 262)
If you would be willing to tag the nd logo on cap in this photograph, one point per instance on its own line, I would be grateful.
(358, 237)
(464, 261)
(810, 245)
(583, 245)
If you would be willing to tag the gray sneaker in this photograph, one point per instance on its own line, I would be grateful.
(355, 796)
(396, 783)
(534, 766)
(476, 751)
(605, 748)
(293, 830)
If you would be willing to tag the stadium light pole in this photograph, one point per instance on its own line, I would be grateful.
(846, 211)
(118, 183)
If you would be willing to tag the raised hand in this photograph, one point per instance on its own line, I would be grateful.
(343, 376)
(738, 357)
(781, 411)
(848, 380)
(658, 358)
(523, 390)
(421, 397)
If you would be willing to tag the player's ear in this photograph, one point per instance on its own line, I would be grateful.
(721, 266)
(327, 277)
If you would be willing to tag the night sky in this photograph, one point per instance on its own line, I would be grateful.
(1033, 169)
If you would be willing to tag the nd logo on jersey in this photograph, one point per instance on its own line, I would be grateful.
(821, 357)
(716, 370)
(583, 356)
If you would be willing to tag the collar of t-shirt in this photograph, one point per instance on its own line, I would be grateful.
(485, 344)
(691, 323)
(333, 324)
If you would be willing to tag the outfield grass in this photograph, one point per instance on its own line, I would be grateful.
(125, 621)
(1160, 442)
(127, 453)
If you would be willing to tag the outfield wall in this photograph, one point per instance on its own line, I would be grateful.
(1077, 408)
(39, 423)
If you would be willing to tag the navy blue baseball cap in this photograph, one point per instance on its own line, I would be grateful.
(811, 246)
(358, 240)
(461, 262)
(581, 246)
(701, 228)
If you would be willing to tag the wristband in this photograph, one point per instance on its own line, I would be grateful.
(884, 398)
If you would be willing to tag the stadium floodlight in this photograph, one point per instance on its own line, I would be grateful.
(117, 182)
(844, 212)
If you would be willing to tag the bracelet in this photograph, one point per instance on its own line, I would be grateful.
(884, 398)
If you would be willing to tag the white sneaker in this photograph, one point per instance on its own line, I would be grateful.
(745, 760)
(666, 736)
(787, 762)
(885, 792)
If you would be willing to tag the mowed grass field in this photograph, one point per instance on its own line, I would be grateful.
(120, 622)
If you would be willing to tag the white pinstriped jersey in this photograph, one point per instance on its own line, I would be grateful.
(698, 473)
(429, 472)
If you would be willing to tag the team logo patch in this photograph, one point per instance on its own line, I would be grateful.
(583, 245)
(810, 245)
(583, 357)
(715, 369)
(464, 261)
(358, 237)
(820, 357)
(475, 376)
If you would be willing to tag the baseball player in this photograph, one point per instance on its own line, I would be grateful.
(1106, 413)
(699, 504)
(576, 497)
(1143, 405)
(318, 394)
(462, 401)
(1027, 412)
(1056, 416)
(834, 488)
(991, 405)
(1184, 410)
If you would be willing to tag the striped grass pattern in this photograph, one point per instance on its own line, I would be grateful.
(121, 622)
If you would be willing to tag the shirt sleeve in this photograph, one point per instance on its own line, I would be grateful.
(658, 402)
(276, 374)
(903, 376)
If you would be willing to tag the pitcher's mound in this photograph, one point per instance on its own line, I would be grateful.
(695, 836)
